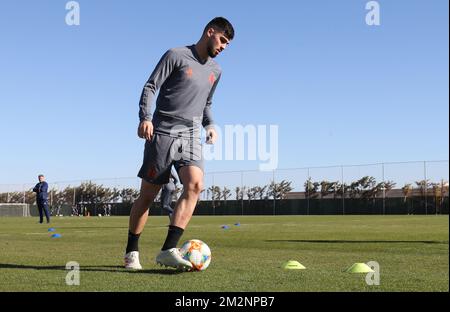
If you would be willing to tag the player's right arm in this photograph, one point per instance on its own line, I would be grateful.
(161, 72)
(145, 130)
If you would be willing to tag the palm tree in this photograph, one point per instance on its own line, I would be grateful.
(311, 188)
(226, 193)
(439, 191)
(335, 187)
(260, 191)
(326, 188)
(129, 195)
(15, 197)
(279, 190)
(251, 193)
(215, 194)
(383, 188)
(240, 192)
(406, 190)
(211, 191)
(342, 189)
(367, 187)
(423, 186)
(354, 189)
(389, 186)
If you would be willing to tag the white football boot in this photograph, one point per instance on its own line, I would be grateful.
(132, 260)
(172, 258)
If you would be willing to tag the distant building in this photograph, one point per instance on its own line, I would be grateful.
(395, 193)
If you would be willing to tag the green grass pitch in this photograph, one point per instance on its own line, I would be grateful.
(412, 252)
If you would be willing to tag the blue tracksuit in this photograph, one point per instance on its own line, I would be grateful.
(41, 190)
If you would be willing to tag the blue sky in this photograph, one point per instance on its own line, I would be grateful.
(341, 92)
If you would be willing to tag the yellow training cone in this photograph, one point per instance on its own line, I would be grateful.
(359, 268)
(293, 265)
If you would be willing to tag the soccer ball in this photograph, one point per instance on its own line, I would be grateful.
(196, 252)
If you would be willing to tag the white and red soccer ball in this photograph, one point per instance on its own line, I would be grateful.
(196, 252)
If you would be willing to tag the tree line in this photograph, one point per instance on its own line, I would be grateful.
(367, 187)
(86, 193)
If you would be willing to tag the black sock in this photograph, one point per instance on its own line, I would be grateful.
(173, 236)
(133, 240)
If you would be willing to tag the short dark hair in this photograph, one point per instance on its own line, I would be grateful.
(41, 175)
(222, 24)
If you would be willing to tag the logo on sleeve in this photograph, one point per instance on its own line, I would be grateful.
(212, 78)
(189, 72)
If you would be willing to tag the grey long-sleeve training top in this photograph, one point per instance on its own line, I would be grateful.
(186, 87)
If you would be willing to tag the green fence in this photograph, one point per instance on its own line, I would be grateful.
(285, 207)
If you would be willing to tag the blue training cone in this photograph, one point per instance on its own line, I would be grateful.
(51, 230)
(225, 227)
(56, 235)
(237, 224)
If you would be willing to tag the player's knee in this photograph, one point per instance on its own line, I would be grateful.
(145, 200)
(195, 187)
(148, 193)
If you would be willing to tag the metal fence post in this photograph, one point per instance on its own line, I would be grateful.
(425, 185)
(441, 200)
(242, 192)
(384, 189)
(307, 192)
(214, 205)
(74, 194)
(273, 181)
(95, 201)
(343, 190)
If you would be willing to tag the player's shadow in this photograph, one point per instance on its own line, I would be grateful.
(91, 268)
(356, 241)
(93, 227)
(106, 227)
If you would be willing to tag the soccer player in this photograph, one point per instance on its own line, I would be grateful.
(42, 198)
(186, 78)
(108, 210)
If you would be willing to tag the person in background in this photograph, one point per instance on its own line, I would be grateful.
(41, 190)
(108, 210)
(167, 192)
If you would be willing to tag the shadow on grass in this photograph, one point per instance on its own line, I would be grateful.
(107, 227)
(91, 268)
(354, 241)
(92, 227)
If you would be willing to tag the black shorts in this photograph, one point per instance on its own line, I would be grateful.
(163, 151)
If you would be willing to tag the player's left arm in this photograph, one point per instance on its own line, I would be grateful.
(208, 121)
